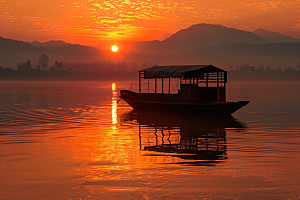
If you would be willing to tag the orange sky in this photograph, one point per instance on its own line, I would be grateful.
(90, 22)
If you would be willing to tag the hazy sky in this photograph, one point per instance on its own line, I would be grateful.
(92, 21)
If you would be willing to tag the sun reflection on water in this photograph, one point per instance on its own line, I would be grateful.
(114, 105)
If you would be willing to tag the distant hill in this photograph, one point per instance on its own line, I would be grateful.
(7, 45)
(271, 54)
(197, 36)
(49, 44)
(288, 50)
(13, 51)
(274, 37)
(198, 44)
(201, 35)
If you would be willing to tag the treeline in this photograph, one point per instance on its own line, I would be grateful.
(43, 64)
(251, 73)
(85, 71)
(100, 66)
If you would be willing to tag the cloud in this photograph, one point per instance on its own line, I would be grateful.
(136, 19)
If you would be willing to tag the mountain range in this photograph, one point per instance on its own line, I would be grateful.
(49, 44)
(274, 37)
(200, 35)
(198, 44)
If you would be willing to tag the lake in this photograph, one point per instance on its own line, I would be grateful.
(74, 140)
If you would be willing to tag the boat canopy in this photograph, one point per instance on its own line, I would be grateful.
(176, 71)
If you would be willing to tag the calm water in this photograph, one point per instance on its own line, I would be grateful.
(72, 140)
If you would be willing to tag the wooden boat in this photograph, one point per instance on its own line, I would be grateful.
(202, 90)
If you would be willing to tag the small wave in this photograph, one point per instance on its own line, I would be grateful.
(21, 116)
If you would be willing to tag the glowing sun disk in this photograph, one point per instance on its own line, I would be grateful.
(114, 48)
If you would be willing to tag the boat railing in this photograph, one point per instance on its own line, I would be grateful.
(159, 97)
(137, 85)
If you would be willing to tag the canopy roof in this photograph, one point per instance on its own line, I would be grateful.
(186, 71)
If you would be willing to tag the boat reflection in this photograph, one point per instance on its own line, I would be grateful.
(197, 140)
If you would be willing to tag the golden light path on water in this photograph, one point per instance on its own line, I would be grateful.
(114, 105)
(73, 140)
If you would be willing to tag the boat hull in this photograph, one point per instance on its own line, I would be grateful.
(220, 108)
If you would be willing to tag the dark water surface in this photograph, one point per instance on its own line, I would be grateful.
(72, 140)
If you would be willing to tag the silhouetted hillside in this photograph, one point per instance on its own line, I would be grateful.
(198, 44)
(85, 54)
(202, 35)
(77, 53)
(197, 36)
(49, 44)
(9, 45)
(272, 54)
(12, 52)
(291, 49)
(274, 37)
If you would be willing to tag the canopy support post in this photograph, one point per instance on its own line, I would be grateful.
(139, 82)
(207, 74)
(155, 85)
(218, 90)
(190, 90)
(162, 85)
(225, 81)
(148, 85)
(169, 85)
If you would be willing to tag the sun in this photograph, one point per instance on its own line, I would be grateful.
(114, 48)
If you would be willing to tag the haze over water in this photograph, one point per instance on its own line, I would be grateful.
(72, 140)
